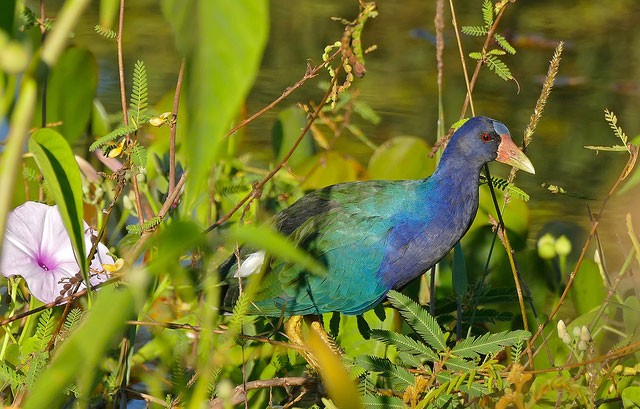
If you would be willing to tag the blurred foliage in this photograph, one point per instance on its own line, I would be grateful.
(155, 333)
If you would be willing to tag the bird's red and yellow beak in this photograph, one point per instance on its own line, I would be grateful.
(509, 153)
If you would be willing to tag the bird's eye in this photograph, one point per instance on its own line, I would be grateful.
(485, 137)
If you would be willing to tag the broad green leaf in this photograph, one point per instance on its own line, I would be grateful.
(71, 89)
(262, 237)
(60, 170)
(411, 152)
(286, 131)
(631, 397)
(99, 119)
(222, 42)
(419, 319)
(488, 344)
(82, 353)
(587, 291)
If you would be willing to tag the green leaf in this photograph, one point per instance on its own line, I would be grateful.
(139, 93)
(222, 42)
(497, 66)
(489, 344)
(81, 354)
(399, 376)
(615, 148)
(460, 365)
(487, 13)
(382, 402)
(631, 397)
(502, 42)
(115, 134)
(71, 89)
(403, 343)
(139, 155)
(475, 31)
(588, 290)
(419, 319)
(277, 245)
(59, 168)
(411, 151)
(475, 55)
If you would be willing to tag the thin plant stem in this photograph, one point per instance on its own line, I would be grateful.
(310, 73)
(173, 124)
(468, 98)
(123, 102)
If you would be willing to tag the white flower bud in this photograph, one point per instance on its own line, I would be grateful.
(585, 334)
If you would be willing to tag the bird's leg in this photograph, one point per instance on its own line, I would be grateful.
(315, 322)
(293, 330)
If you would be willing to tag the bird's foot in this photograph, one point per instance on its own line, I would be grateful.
(293, 330)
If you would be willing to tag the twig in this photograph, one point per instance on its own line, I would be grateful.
(258, 186)
(56, 302)
(173, 126)
(631, 161)
(239, 392)
(468, 99)
(196, 328)
(123, 102)
(310, 73)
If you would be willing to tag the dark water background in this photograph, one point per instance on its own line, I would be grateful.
(600, 69)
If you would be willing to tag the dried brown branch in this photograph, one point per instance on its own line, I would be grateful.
(240, 391)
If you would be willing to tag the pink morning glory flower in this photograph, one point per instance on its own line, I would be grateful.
(37, 247)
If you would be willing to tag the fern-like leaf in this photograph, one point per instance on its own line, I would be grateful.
(400, 377)
(139, 94)
(73, 319)
(419, 319)
(476, 55)
(105, 32)
(475, 31)
(147, 225)
(139, 155)
(366, 112)
(10, 376)
(612, 119)
(113, 135)
(487, 13)
(460, 365)
(504, 44)
(504, 185)
(36, 366)
(404, 343)
(488, 344)
(382, 402)
(44, 331)
(500, 68)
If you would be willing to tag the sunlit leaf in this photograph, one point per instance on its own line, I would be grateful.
(58, 165)
(219, 74)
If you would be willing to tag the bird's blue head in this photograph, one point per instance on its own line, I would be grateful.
(481, 140)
